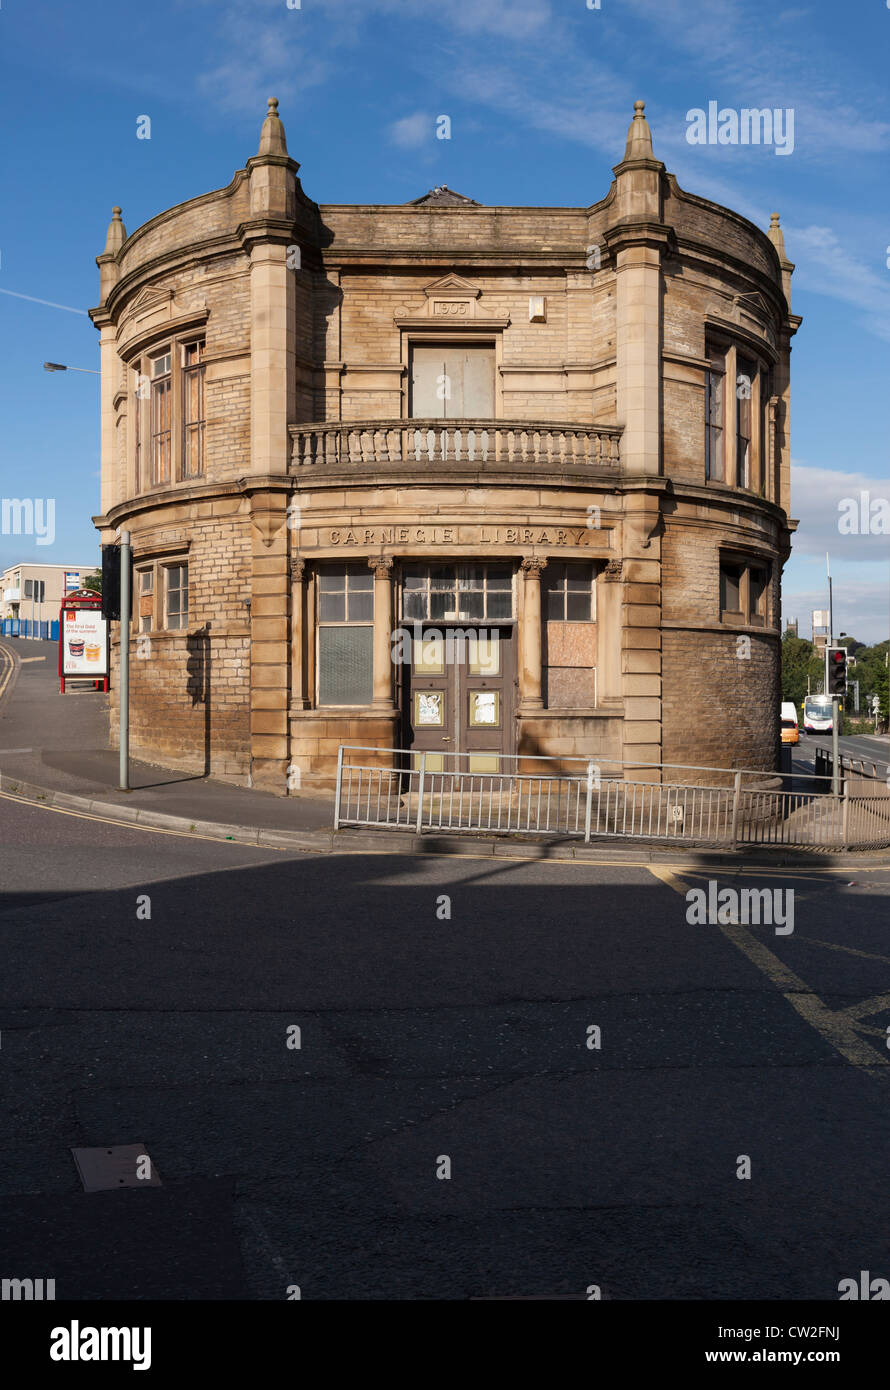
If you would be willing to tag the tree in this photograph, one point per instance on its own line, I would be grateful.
(797, 660)
(93, 582)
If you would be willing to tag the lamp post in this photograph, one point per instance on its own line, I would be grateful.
(62, 367)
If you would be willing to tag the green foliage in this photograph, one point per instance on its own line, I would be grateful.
(799, 660)
(93, 582)
(797, 655)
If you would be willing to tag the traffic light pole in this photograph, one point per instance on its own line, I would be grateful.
(835, 761)
(125, 663)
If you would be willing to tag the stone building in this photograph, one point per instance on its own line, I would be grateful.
(342, 436)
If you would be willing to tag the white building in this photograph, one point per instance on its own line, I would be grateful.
(32, 594)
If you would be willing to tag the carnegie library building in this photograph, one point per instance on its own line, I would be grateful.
(448, 478)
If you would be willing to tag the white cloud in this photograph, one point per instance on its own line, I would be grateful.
(413, 131)
(861, 608)
(817, 495)
(825, 265)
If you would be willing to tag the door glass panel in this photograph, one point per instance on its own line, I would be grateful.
(484, 656)
(429, 708)
(484, 708)
(435, 762)
(429, 656)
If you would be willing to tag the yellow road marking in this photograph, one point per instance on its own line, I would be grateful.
(837, 1028)
(876, 1005)
(848, 950)
(7, 676)
(134, 825)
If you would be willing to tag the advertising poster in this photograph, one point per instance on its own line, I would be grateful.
(84, 643)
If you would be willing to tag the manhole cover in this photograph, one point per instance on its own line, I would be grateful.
(122, 1165)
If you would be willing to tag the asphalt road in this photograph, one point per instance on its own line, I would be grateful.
(425, 1037)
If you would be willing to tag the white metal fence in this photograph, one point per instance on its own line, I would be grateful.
(577, 798)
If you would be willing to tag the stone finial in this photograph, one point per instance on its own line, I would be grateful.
(272, 139)
(117, 233)
(639, 136)
(776, 235)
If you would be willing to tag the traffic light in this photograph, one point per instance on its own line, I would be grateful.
(836, 665)
(111, 583)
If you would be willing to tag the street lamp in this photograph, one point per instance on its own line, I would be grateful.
(61, 367)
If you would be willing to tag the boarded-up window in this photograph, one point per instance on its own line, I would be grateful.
(452, 382)
(569, 636)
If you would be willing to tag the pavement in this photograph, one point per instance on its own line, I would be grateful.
(54, 750)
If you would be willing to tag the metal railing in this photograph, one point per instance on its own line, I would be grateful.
(871, 769)
(580, 798)
(45, 630)
(505, 443)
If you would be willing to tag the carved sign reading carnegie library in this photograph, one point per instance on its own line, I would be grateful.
(465, 535)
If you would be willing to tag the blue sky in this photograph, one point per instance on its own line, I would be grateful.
(540, 93)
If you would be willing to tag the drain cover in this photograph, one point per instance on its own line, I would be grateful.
(119, 1166)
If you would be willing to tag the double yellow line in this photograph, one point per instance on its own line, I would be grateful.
(7, 666)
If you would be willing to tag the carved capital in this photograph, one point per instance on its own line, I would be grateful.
(613, 570)
(381, 565)
(533, 566)
(297, 569)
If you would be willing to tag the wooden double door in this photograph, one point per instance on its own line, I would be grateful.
(458, 696)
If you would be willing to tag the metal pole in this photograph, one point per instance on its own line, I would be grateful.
(339, 787)
(835, 762)
(125, 662)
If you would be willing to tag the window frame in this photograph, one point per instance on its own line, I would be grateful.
(192, 371)
(488, 587)
(140, 572)
(748, 614)
(348, 568)
(167, 566)
(155, 440)
(564, 568)
(727, 354)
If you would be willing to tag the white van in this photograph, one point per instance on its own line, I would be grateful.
(788, 720)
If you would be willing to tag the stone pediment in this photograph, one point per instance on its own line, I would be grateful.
(452, 287)
(149, 299)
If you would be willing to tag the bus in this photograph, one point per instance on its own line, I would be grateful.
(817, 714)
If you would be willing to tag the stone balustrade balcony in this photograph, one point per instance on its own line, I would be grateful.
(504, 447)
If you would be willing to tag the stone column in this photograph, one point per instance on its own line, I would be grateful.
(270, 656)
(730, 415)
(382, 567)
(531, 664)
(637, 239)
(298, 634)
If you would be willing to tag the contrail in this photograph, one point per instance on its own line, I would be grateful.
(49, 302)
